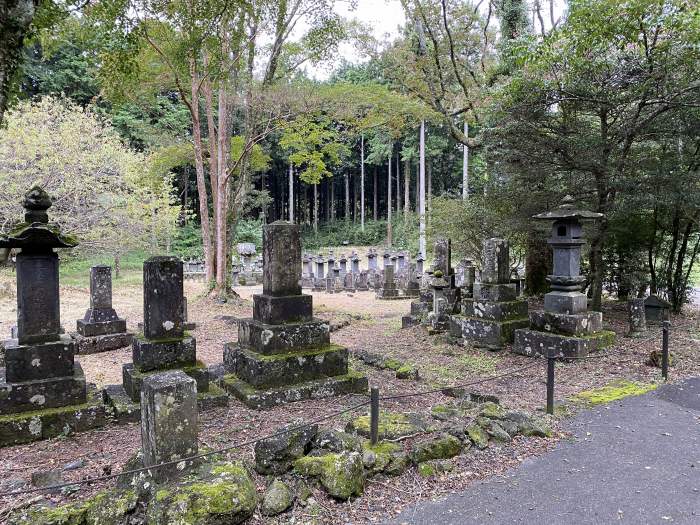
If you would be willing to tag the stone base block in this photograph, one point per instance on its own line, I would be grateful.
(132, 378)
(566, 324)
(421, 307)
(272, 339)
(407, 321)
(101, 343)
(262, 371)
(36, 425)
(152, 354)
(350, 383)
(39, 361)
(40, 394)
(89, 329)
(122, 409)
(494, 311)
(534, 343)
(483, 333)
(494, 292)
(277, 310)
(565, 302)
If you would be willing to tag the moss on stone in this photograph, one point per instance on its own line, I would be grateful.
(303, 352)
(618, 389)
(392, 364)
(492, 411)
(444, 446)
(603, 339)
(342, 475)
(406, 371)
(426, 470)
(477, 435)
(392, 425)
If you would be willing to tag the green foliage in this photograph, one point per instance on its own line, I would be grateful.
(249, 230)
(338, 233)
(187, 242)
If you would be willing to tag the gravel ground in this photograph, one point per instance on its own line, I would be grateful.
(375, 327)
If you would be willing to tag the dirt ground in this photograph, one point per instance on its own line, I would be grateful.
(373, 326)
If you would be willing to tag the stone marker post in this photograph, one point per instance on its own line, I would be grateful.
(371, 260)
(168, 422)
(637, 317)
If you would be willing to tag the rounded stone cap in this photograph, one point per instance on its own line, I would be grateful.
(567, 210)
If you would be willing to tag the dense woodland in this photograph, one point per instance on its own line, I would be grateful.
(189, 124)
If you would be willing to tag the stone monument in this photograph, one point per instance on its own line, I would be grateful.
(637, 317)
(388, 289)
(163, 344)
(101, 329)
(283, 353)
(43, 392)
(565, 328)
(490, 317)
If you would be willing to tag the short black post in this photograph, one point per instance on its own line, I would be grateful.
(664, 351)
(374, 415)
(550, 385)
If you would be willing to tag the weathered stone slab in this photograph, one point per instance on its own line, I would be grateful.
(271, 339)
(38, 306)
(163, 314)
(278, 310)
(494, 311)
(95, 328)
(133, 379)
(293, 367)
(637, 317)
(494, 292)
(168, 421)
(164, 353)
(564, 324)
(281, 257)
(442, 255)
(495, 262)
(565, 302)
(532, 343)
(261, 398)
(39, 361)
(47, 423)
(493, 335)
(39, 394)
(102, 343)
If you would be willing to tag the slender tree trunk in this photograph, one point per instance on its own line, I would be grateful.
(398, 186)
(263, 208)
(333, 214)
(421, 190)
(465, 165)
(291, 193)
(389, 198)
(117, 265)
(406, 187)
(429, 186)
(201, 184)
(374, 187)
(362, 183)
(316, 207)
(347, 197)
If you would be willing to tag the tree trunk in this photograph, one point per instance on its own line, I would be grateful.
(538, 264)
(374, 187)
(421, 191)
(316, 207)
(291, 193)
(347, 197)
(596, 263)
(398, 186)
(429, 186)
(362, 183)
(117, 265)
(389, 197)
(201, 184)
(465, 164)
(406, 185)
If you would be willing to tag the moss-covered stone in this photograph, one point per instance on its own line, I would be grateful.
(342, 475)
(493, 429)
(228, 497)
(386, 457)
(534, 427)
(278, 498)
(406, 372)
(614, 391)
(443, 446)
(492, 410)
(392, 425)
(477, 435)
(426, 470)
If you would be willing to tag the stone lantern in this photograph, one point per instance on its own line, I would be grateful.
(565, 328)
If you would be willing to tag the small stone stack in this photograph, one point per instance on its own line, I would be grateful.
(490, 318)
(283, 353)
(565, 328)
(388, 290)
(163, 345)
(43, 392)
(101, 329)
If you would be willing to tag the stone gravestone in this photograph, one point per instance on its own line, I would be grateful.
(565, 328)
(355, 263)
(319, 281)
(101, 329)
(371, 259)
(43, 392)
(656, 309)
(465, 276)
(412, 288)
(388, 289)
(307, 273)
(163, 345)
(491, 316)
(168, 422)
(637, 317)
(438, 319)
(283, 353)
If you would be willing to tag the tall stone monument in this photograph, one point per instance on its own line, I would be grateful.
(101, 329)
(565, 328)
(163, 344)
(283, 353)
(43, 392)
(490, 318)
(388, 290)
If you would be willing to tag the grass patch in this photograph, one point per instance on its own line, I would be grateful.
(614, 391)
(478, 364)
(392, 327)
(76, 272)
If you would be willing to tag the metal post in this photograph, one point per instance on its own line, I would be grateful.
(664, 351)
(550, 385)
(374, 415)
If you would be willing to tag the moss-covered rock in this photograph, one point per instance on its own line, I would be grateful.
(337, 441)
(342, 475)
(493, 429)
(278, 498)
(392, 425)
(275, 455)
(534, 427)
(477, 435)
(492, 410)
(228, 497)
(407, 372)
(446, 412)
(443, 446)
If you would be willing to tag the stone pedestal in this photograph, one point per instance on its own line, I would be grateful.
(565, 328)
(43, 392)
(283, 354)
(637, 317)
(168, 422)
(490, 317)
(101, 329)
(163, 345)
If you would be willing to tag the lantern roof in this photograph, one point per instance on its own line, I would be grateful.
(567, 210)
